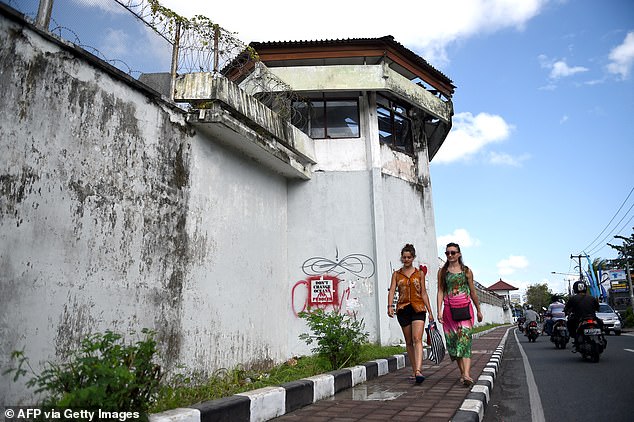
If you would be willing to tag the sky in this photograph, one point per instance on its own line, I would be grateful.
(539, 164)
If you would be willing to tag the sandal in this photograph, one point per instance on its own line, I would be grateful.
(419, 377)
(461, 379)
(467, 382)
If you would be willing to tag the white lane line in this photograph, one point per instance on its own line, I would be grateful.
(537, 411)
(629, 350)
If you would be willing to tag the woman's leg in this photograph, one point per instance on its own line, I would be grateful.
(407, 334)
(460, 363)
(417, 340)
(466, 362)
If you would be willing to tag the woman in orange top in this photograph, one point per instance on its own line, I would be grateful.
(411, 308)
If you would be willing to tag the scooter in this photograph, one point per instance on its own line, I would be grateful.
(559, 334)
(532, 332)
(520, 324)
(590, 340)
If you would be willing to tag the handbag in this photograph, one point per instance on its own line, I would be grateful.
(437, 347)
(460, 314)
(460, 308)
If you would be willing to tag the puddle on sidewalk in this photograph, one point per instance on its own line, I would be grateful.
(364, 392)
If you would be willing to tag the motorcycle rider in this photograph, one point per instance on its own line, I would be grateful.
(530, 316)
(578, 307)
(555, 312)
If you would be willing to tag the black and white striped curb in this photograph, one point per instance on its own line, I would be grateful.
(473, 407)
(270, 402)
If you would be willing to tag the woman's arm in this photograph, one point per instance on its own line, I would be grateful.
(426, 298)
(474, 293)
(390, 296)
(439, 298)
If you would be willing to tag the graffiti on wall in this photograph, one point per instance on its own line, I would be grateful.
(332, 284)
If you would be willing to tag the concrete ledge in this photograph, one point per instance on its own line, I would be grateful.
(298, 394)
(270, 402)
(178, 415)
(267, 403)
(234, 408)
(343, 379)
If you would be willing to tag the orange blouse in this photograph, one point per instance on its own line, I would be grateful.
(410, 290)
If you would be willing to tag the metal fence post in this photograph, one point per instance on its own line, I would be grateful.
(174, 67)
(44, 14)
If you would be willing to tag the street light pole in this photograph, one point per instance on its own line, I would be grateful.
(565, 279)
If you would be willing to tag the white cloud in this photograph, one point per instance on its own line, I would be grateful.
(622, 57)
(563, 119)
(470, 134)
(459, 236)
(107, 6)
(507, 159)
(560, 69)
(421, 27)
(115, 43)
(511, 264)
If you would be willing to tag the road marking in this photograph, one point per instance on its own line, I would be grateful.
(629, 350)
(537, 411)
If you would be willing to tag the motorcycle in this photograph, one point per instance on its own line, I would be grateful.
(590, 340)
(520, 324)
(559, 334)
(532, 332)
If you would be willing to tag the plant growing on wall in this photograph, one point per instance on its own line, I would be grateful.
(337, 337)
(103, 374)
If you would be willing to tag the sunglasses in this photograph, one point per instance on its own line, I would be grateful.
(451, 253)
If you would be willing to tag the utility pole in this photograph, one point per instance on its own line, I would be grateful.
(629, 281)
(579, 258)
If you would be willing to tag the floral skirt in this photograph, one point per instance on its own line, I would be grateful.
(458, 334)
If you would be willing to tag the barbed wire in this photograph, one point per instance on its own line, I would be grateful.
(200, 45)
(62, 31)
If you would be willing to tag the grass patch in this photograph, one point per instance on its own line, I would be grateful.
(183, 390)
(485, 327)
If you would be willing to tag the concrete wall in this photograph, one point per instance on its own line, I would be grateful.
(118, 211)
(117, 215)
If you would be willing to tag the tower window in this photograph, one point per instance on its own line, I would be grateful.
(322, 119)
(395, 128)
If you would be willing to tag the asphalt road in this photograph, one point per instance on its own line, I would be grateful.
(569, 388)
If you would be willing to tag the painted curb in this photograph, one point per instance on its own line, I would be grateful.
(473, 407)
(270, 402)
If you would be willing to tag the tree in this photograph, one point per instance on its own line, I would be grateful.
(626, 251)
(538, 295)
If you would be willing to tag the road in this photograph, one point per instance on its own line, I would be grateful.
(566, 388)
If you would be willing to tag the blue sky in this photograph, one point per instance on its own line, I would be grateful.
(541, 155)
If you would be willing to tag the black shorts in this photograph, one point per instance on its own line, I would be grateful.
(406, 315)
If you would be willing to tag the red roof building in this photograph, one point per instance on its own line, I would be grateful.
(502, 285)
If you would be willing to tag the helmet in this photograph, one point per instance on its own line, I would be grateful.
(579, 287)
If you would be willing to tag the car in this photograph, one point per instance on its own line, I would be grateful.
(611, 321)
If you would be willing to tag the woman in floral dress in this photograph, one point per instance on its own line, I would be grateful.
(455, 287)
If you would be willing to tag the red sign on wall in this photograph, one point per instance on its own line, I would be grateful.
(323, 290)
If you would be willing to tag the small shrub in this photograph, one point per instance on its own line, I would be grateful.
(338, 337)
(103, 374)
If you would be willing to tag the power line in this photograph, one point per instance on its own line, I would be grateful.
(610, 222)
(614, 230)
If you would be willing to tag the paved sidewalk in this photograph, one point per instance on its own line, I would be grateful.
(393, 397)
